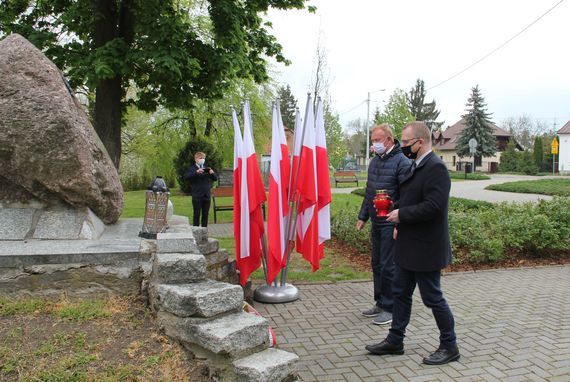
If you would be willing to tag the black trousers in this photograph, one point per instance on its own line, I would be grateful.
(430, 290)
(200, 207)
(383, 264)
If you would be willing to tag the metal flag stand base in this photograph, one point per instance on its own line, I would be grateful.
(275, 294)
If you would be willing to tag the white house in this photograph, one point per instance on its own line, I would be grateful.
(564, 149)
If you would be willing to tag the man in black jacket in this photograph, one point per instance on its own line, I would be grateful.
(200, 178)
(422, 246)
(386, 171)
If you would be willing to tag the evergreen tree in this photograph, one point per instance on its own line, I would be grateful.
(421, 110)
(287, 105)
(478, 127)
(538, 151)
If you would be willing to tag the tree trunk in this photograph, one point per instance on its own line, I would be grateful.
(108, 116)
(209, 120)
(115, 20)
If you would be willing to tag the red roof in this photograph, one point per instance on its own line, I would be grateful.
(453, 132)
(565, 129)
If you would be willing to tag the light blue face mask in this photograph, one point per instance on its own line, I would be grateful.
(379, 148)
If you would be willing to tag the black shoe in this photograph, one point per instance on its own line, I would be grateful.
(442, 356)
(385, 347)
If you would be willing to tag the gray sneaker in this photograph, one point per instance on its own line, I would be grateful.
(372, 312)
(383, 318)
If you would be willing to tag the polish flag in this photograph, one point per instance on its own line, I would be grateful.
(278, 206)
(307, 218)
(323, 181)
(251, 197)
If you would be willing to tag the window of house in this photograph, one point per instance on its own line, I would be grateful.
(454, 160)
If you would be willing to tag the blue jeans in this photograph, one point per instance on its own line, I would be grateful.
(383, 264)
(430, 290)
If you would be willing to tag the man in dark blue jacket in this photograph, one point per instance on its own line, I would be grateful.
(386, 171)
(200, 178)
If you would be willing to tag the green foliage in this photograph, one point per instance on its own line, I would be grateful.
(526, 164)
(481, 231)
(185, 159)
(560, 187)
(517, 161)
(287, 106)
(420, 109)
(470, 176)
(170, 53)
(478, 127)
(396, 113)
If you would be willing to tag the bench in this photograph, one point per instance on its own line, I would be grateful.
(225, 192)
(345, 177)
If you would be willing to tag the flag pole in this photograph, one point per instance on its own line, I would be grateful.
(282, 292)
(293, 223)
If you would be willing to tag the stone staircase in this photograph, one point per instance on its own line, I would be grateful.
(206, 316)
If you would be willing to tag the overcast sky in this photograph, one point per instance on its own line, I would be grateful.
(378, 44)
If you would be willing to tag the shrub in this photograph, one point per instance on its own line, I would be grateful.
(185, 159)
(485, 232)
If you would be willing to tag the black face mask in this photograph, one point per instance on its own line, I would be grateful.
(407, 151)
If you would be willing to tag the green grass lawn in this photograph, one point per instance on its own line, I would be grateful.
(334, 267)
(542, 186)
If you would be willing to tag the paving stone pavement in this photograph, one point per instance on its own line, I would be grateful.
(512, 325)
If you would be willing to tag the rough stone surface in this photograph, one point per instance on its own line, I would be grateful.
(179, 242)
(179, 268)
(48, 148)
(205, 299)
(270, 365)
(200, 234)
(210, 247)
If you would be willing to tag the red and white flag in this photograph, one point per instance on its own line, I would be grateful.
(307, 218)
(323, 180)
(251, 198)
(278, 203)
(238, 148)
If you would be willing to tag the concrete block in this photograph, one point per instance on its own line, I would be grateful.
(179, 268)
(270, 365)
(68, 223)
(205, 299)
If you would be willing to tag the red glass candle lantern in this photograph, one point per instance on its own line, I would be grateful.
(382, 203)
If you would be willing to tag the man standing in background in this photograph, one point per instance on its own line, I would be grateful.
(386, 171)
(200, 178)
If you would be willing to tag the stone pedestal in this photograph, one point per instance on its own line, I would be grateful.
(37, 221)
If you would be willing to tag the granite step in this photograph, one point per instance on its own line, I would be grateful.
(203, 299)
(179, 268)
(269, 365)
(230, 336)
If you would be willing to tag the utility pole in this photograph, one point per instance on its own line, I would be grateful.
(366, 153)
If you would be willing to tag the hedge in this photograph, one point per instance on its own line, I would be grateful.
(486, 232)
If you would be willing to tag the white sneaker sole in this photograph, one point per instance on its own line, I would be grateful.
(382, 322)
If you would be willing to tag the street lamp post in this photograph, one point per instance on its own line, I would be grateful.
(367, 156)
